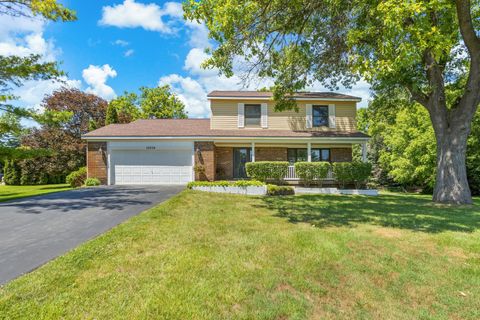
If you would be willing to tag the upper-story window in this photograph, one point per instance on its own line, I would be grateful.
(253, 114)
(320, 116)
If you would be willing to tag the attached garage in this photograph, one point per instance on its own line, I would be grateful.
(144, 163)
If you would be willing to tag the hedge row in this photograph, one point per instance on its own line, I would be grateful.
(15, 174)
(273, 190)
(267, 170)
(355, 172)
(239, 183)
(310, 172)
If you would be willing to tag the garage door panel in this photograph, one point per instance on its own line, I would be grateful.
(157, 167)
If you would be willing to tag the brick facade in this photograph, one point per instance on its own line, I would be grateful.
(341, 154)
(224, 159)
(97, 161)
(271, 154)
(205, 159)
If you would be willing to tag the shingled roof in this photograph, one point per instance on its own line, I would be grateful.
(267, 94)
(201, 128)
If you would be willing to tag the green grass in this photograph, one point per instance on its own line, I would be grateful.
(212, 256)
(15, 192)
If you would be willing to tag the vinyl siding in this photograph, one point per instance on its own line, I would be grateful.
(224, 115)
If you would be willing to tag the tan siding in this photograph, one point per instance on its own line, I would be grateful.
(224, 115)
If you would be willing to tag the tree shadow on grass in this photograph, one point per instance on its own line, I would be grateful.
(410, 212)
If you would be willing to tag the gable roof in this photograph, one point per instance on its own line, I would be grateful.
(268, 95)
(201, 128)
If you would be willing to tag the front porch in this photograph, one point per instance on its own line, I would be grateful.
(218, 160)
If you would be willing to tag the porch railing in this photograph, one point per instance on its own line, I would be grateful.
(291, 175)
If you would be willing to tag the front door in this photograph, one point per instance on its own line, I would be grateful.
(240, 157)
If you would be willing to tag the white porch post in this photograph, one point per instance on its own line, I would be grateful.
(309, 152)
(253, 152)
(364, 152)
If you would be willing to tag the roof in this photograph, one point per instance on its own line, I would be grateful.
(269, 95)
(201, 128)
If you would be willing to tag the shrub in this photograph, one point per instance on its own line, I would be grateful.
(267, 170)
(92, 182)
(360, 171)
(11, 173)
(343, 173)
(356, 172)
(77, 178)
(310, 172)
(239, 183)
(273, 190)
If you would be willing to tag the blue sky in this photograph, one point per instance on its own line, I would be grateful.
(122, 45)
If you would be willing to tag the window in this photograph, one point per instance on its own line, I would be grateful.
(320, 116)
(297, 155)
(320, 155)
(253, 113)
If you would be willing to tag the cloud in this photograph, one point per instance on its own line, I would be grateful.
(22, 36)
(129, 52)
(96, 77)
(152, 17)
(121, 43)
(33, 92)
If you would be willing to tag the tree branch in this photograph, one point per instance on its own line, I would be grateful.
(471, 98)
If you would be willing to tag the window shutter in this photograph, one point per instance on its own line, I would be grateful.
(308, 116)
(331, 116)
(241, 115)
(264, 120)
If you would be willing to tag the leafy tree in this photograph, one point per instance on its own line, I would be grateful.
(420, 46)
(152, 103)
(112, 115)
(15, 70)
(62, 134)
(160, 103)
(48, 9)
(84, 111)
(403, 146)
(126, 106)
(410, 153)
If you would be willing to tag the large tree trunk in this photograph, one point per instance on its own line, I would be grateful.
(451, 184)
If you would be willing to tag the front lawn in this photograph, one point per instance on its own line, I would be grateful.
(15, 192)
(218, 256)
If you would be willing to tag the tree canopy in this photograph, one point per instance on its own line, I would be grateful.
(151, 103)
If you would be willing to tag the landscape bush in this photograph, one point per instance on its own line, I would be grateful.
(342, 172)
(267, 170)
(361, 172)
(239, 183)
(11, 173)
(355, 172)
(92, 182)
(274, 190)
(310, 172)
(77, 178)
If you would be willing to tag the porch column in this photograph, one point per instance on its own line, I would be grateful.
(253, 152)
(309, 152)
(364, 152)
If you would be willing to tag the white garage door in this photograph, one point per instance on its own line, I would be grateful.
(162, 166)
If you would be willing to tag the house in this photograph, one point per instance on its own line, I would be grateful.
(243, 127)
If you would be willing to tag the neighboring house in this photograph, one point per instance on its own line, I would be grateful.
(243, 127)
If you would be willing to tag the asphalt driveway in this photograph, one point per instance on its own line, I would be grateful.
(37, 229)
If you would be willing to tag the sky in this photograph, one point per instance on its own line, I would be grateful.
(118, 46)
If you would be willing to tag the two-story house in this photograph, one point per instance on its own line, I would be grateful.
(243, 127)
